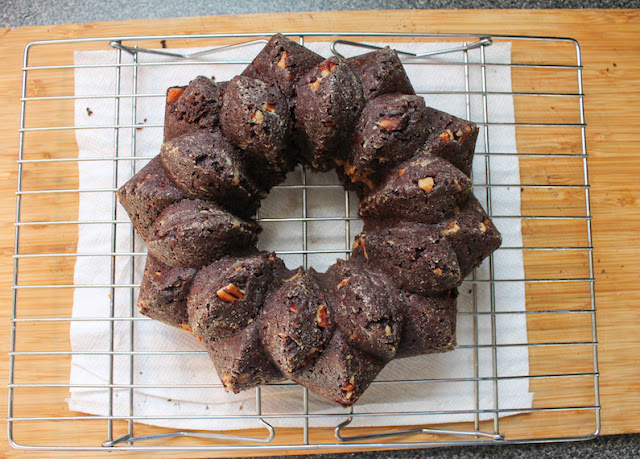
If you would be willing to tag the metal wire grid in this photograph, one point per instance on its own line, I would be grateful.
(266, 443)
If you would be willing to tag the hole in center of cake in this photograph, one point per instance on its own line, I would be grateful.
(309, 220)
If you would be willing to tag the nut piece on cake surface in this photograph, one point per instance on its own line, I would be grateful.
(230, 294)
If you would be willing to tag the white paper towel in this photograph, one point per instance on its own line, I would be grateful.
(221, 411)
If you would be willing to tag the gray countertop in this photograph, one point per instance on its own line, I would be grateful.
(37, 12)
(15, 13)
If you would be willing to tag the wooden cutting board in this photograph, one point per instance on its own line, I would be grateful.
(611, 68)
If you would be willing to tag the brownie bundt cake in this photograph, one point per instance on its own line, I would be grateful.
(227, 144)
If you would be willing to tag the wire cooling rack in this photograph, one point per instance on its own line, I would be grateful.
(557, 251)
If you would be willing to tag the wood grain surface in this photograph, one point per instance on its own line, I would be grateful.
(611, 67)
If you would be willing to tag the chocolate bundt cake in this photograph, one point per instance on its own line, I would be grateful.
(227, 144)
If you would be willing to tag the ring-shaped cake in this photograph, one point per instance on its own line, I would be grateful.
(227, 144)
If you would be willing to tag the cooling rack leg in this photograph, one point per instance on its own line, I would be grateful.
(209, 435)
(402, 433)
